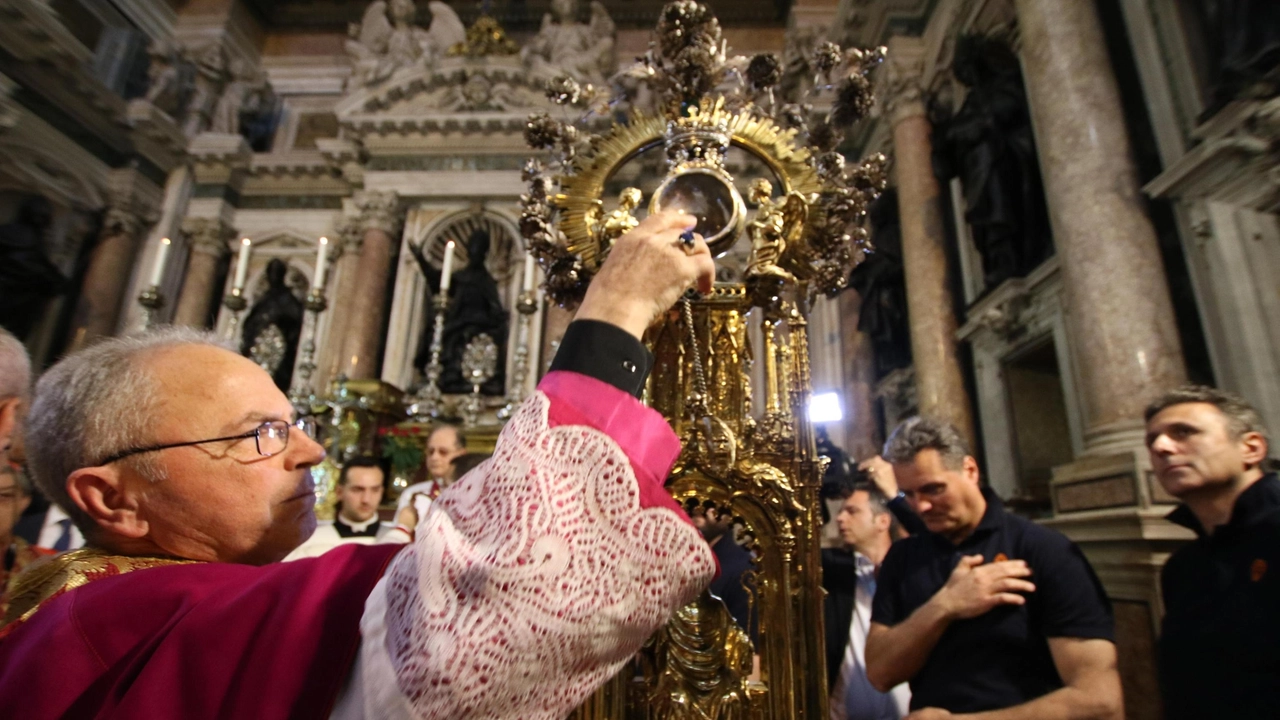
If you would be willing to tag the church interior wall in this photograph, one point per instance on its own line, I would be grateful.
(1209, 179)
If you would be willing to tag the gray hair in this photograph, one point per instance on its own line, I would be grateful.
(94, 403)
(1241, 416)
(917, 434)
(15, 367)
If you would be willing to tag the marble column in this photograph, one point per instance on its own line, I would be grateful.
(207, 246)
(107, 277)
(1120, 317)
(379, 220)
(940, 386)
(862, 436)
(343, 281)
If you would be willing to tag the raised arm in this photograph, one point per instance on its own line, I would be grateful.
(535, 577)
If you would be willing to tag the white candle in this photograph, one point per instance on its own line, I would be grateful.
(242, 265)
(162, 255)
(322, 264)
(446, 273)
(528, 272)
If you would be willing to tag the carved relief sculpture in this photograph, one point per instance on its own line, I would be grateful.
(386, 39)
(210, 77)
(564, 45)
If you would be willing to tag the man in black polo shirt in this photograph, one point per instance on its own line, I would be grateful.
(985, 611)
(1220, 648)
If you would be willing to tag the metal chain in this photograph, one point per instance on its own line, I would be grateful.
(699, 374)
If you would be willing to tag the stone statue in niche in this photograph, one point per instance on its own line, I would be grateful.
(880, 282)
(172, 78)
(273, 326)
(386, 39)
(989, 144)
(27, 278)
(1243, 39)
(564, 45)
(475, 309)
(210, 77)
(245, 96)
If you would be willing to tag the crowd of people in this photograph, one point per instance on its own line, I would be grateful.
(941, 604)
(516, 589)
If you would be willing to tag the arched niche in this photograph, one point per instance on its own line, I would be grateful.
(432, 227)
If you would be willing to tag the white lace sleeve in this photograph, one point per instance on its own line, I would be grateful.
(531, 581)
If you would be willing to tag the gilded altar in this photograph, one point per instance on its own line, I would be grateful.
(731, 369)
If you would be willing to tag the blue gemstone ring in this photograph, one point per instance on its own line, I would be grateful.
(686, 239)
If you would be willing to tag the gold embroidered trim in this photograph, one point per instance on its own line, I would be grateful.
(42, 581)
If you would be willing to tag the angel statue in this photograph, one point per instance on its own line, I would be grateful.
(564, 45)
(620, 221)
(386, 39)
(775, 224)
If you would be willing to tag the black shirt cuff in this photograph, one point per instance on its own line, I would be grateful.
(605, 352)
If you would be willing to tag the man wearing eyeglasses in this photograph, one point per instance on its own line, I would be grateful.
(526, 587)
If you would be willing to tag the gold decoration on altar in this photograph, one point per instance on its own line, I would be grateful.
(485, 37)
(747, 452)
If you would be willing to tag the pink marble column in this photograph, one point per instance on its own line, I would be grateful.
(1120, 316)
(940, 386)
(380, 219)
(207, 245)
(862, 437)
(343, 280)
(107, 277)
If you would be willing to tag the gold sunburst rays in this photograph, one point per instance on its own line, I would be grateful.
(582, 189)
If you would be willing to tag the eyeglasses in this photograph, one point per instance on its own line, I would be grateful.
(271, 438)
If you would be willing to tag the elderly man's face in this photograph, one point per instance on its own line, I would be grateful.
(223, 501)
(13, 501)
(442, 449)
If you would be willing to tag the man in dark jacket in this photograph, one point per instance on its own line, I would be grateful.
(867, 529)
(1218, 649)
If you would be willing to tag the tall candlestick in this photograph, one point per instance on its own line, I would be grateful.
(322, 264)
(242, 265)
(528, 272)
(446, 273)
(162, 255)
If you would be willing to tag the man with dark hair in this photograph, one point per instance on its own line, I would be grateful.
(355, 519)
(985, 612)
(1218, 654)
(849, 576)
(733, 585)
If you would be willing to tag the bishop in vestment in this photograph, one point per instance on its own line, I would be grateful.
(528, 583)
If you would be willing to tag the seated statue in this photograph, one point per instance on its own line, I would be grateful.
(272, 328)
(475, 309)
(564, 45)
(386, 39)
(27, 278)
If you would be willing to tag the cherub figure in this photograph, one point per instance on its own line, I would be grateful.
(776, 223)
(620, 221)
